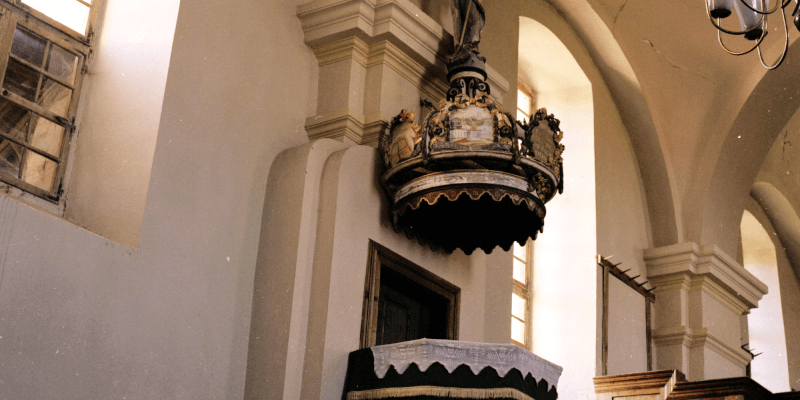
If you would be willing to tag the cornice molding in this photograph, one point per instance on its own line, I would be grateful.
(719, 293)
(699, 340)
(328, 20)
(673, 335)
(671, 282)
(343, 49)
(343, 124)
(386, 53)
(689, 258)
(707, 341)
(372, 132)
(329, 24)
(336, 125)
(399, 21)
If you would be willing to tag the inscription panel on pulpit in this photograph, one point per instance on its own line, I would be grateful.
(544, 146)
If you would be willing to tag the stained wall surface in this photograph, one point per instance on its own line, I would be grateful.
(83, 317)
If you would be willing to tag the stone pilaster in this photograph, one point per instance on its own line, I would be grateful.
(375, 58)
(701, 294)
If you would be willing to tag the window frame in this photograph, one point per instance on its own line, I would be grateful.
(526, 90)
(14, 14)
(85, 37)
(523, 289)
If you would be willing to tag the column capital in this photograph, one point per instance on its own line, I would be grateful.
(664, 263)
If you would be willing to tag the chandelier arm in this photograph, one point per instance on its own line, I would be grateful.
(785, 47)
(763, 5)
(741, 53)
(730, 32)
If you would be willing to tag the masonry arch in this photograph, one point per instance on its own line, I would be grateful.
(567, 81)
(591, 41)
(770, 105)
(563, 88)
(773, 211)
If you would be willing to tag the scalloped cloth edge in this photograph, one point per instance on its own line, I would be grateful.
(437, 391)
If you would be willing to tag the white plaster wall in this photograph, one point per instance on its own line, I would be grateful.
(565, 272)
(83, 317)
(601, 211)
(171, 319)
(353, 211)
(117, 130)
(626, 329)
(719, 320)
(766, 328)
(713, 365)
(790, 295)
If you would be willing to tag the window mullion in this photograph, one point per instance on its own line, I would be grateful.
(7, 25)
(41, 70)
(31, 148)
(37, 109)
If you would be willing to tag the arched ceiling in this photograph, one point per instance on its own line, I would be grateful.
(685, 102)
(583, 31)
(698, 98)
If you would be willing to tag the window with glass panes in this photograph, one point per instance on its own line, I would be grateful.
(520, 296)
(43, 48)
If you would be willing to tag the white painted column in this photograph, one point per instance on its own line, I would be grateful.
(701, 294)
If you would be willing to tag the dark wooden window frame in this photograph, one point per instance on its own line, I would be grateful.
(380, 256)
(14, 13)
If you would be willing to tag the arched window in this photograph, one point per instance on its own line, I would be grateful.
(562, 280)
(765, 323)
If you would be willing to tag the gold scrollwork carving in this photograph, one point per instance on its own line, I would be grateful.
(462, 100)
(542, 186)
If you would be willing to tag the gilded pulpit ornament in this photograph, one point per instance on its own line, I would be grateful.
(470, 175)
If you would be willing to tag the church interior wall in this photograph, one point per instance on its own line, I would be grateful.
(771, 367)
(790, 294)
(332, 246)
(118, 130)
(160, 303)
(85, 317)
(777, 182)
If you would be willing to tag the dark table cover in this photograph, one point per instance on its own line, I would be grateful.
(362, 383)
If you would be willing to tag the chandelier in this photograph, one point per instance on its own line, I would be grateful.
(752, 15)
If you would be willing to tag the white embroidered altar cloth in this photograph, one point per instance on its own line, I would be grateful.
(452, 353)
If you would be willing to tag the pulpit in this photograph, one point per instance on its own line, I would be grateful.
(442, 369)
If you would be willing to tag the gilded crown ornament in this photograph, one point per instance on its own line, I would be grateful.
(470, 175)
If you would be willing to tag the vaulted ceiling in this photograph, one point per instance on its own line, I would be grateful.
(712, 116)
